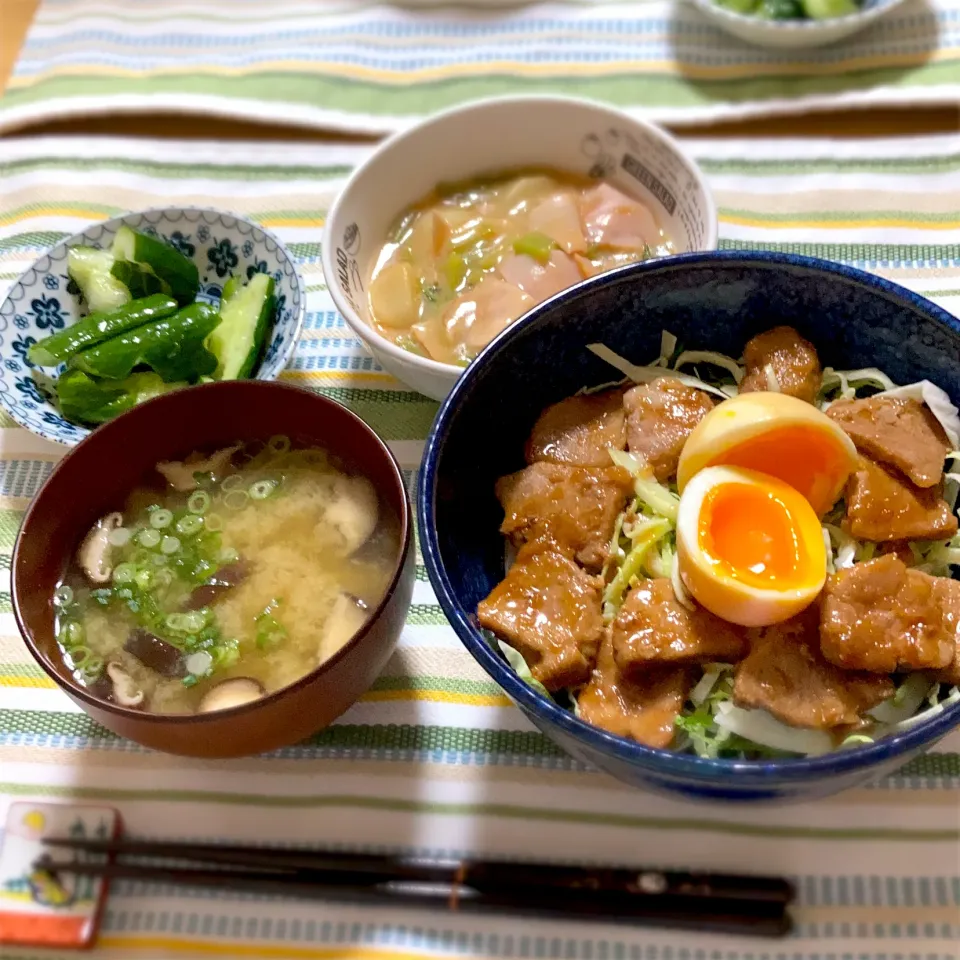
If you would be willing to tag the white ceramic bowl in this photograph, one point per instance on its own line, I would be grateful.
(794, 34)
(487, 137)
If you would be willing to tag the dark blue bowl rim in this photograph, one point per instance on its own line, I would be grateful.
(669, 764)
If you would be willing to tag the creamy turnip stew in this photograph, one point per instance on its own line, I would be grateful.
(470, 259)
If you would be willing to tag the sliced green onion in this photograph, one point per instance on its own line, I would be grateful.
(144, 579)
(199, 663)
(175, 622)
(262, 489)
(62, 596)
(161, 519)
(169, 545)
(234, 482)
(278, 444)
(199, 502)
(213, 522)
(195, 620)
(190, 680)
(163, 577)
(71, 634)
(236, 499)
(119, 537)
(79, 656)
(124, 573)
(189, 525)
(149, 537)
(228, 555)
(157, 560)
(226, 655)
(92, 668)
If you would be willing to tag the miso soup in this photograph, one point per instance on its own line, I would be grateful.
(230, 577)
(468, 260)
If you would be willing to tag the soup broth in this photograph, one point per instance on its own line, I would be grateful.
(233, 576)
(470, 259)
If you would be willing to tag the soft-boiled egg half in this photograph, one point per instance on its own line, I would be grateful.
(749, 546)
(776, 434)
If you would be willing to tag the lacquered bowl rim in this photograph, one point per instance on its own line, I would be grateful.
(208, 392)
(756, 773)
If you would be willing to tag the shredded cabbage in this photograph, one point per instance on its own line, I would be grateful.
(773, 384)
(646, 374)
(643, 536)
(952, 696)
(764, 729)
(635, 465)
(712, 673)
(905, 702)
(714, 359)
(515, 659)
(668, 346)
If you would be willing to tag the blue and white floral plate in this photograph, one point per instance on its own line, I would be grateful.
(45, 300)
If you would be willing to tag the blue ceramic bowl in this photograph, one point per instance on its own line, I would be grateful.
(44, 299)
(711, 301)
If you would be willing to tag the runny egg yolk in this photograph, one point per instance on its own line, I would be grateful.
(749, 533)
(749, 546)
(796, 454)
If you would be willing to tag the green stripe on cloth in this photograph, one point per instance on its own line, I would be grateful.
(399, 98)
(400, 738)
(395, 415)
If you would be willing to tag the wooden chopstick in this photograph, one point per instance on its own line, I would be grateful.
(746, 905)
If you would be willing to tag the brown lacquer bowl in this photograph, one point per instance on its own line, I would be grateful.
(95, 478)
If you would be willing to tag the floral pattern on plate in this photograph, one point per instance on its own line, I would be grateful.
(45, 300)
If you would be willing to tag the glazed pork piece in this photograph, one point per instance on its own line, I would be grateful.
(883, 505)
(786, 674)
(882, 617)
(792, 360)
(653, 627)
(644, 709)
(576, 506)
(951, 673)
(900, 432)
(549, 610)
(660, 416)
(579, 430)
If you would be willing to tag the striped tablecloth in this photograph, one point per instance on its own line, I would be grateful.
(434, 758)
(373, 67)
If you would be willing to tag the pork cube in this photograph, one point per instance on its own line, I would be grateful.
(652, 626)
(644, 709)
(901, 432)
(786, 674)
(948, 592)
(579, 430)
(549, 610)
(660, 416)
(883, 505)
(792, 359)
(576, 506)
(881, 616)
